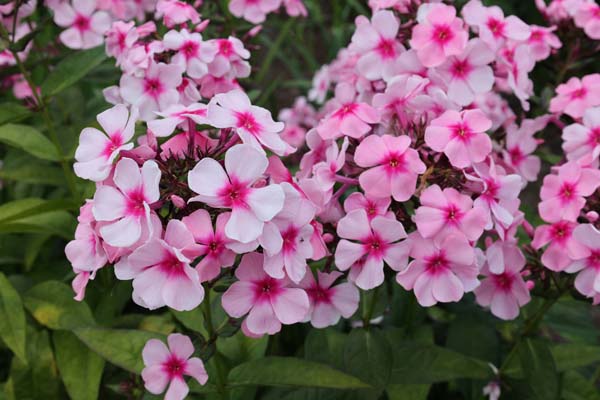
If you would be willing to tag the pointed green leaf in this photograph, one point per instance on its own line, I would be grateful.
(10, 112)
(12, 328)
(539, 369)
(29, 140)
(368, 355)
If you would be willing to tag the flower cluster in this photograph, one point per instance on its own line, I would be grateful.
(406, 153)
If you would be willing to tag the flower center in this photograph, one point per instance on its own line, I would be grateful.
(461, 68)
(82, 23)
(496, 26)
(189, 49)
(579, 93)
(247, 121)
(135, 203)
(174, 367)
(567, 192)
(386, 48)
(503, 281)
(442, 34)
(153, 87)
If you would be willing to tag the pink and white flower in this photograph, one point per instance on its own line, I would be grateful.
(97, 150)
(563, 248)
(378, 241)
(254, 11)
(269, 302)
(329, 302)
(587, 265)
(175, 115)
(460, 136)
(86, 26)
(193, 53)
(576, 95)
(126, 206)
(167, 366)
(395, 166)
(232, 188)
(582, 141)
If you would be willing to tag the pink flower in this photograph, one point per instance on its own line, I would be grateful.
(230, 60)
(575, 96)
(504, 292)
(563, 195)
(563, 248)
(97, 150)
(542, 41)
(350, 118)
(376, 42)
(438, 35)
(295, 8)
(320, 85)
(253, 124)
(251, 207)
(254, 11)
(396, 166)
(399, 98)
(155, 91)
(212, 241)
(460, 136)
(468, 73)
(287, 242)
(120, 38)
(176, 12)
(378, 242)
(520, 145)
(587, 264)
(445, 212)
(192, 53)
(86, 253)
(582, 141)
(85, 26)
(161, 270)
(127, 206)
(493, 28)
(441, 271)
(167, 366)
(373, 207)
(269, 302)
(175, 115)
(335, 158)
(327, 302)
(587, 17)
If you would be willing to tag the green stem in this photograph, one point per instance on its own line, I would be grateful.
(220, 377)
(368, 311)
(262, 74)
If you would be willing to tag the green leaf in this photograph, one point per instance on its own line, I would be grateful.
(12, 328)
(29, 140)
(408, 392)
(191, 319)
(51, 304)
(80, 368)
(576, 387)
(22, 208)
(539, 369)
(73, 68)
(295, 372)
(421, 363)
(121, 347)
(59, 223)
(10, 112)
(574, 355)
(368, 355)
(33, 173)
(240, 348)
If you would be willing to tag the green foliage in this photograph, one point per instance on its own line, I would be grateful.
(12, 315)
(30, 140)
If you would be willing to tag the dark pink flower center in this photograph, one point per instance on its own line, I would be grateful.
(594, 137)
(579, 93)
(504, 281)
(345, 110)
(453, 214)
(234, 194)
(496, 26)
(374, 245)
(116, 141)
(395, 163)
(153, 87)
(491, 190)
(386, 48)
(264, 289)
(135, 203)
(461, 68)
(516, 155)
(567, 192)
(189, 49)
(246, 120)
(442, 34)
(536, 36)
(593, 261)
(225, 47)
(289, 237)
(171, 265)
(462, 132)
(174, 367)
(319, 295)
(82, 23)
(561, 231)
(436, 263)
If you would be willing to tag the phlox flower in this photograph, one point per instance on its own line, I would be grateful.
(378, 241)
(575, 96)
(438, 35)
(287, 240)
(269, 302)
(468, 73)
(126, 206)
(167, 366)
(377, 44)
(563, 248)
(542, 41)
(230, 59)
(350, 118)
(155, 91)
(587, 264)
(253, 124)
(295, 8)
(582, 141)
(335, 158)
(120, 38)
(86, 26)
(515, 62)
(372, 206)
(563, 195)
(447, 211)
(212, 241)
(587, 17)
(317, 150)
(320, 85)
(193, 53)
(460, 136)
(86, 253)
(254, 11)
(504, 292)
(442, 271)
(232, 188)
(161, 270)
(520, 145)
(175, 115)
(398, 100)
(492, 26)
(97, 150)
(175, 12)
(329, 302)
(395, 166)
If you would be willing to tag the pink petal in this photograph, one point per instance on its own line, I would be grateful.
(290, 305)
(180, 345)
